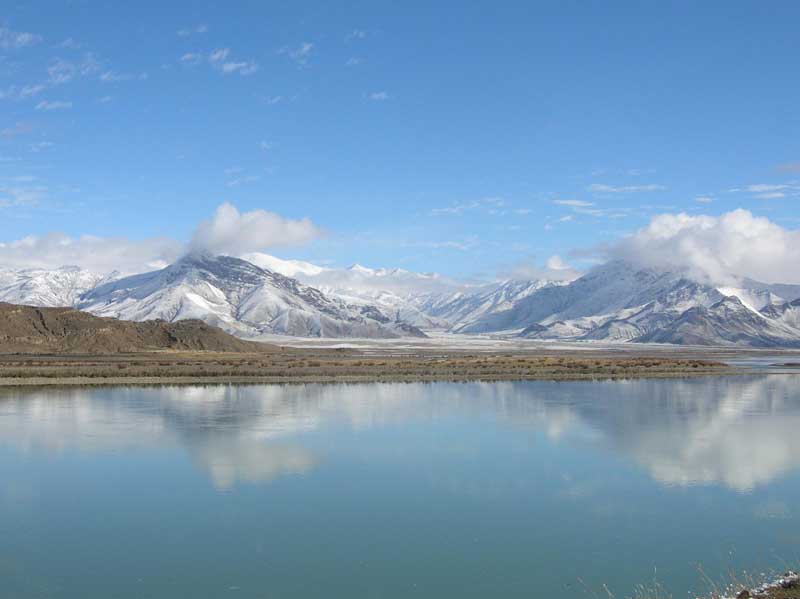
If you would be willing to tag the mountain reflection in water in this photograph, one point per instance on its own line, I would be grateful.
(739, 432)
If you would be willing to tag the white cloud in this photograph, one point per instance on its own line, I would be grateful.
(378, 96)
(22, 93)
(190, 30)
(770, 191)
(242, 180)
(455, 209)
(21, 191)
(219, 55)
(704, 199)
(227, 232)
(112, 76)
(191, 58)
(62, 71)
(31, 90)
(601, 188)
(554, 269)
(41, 145)
(99, 254)
(18, 128)
(717, 249)
(356, 34)
(219, 60)
(491, 205)
(70, 44)
(573, 203)
(243, 68)
(53, 105)
(461, 246)
(11, 40)
(234, 233)
(299, 54)
(765, 187)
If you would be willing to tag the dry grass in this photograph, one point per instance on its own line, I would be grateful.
(337, 365)
(741, 586)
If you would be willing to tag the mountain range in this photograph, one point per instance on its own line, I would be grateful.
(259, 295)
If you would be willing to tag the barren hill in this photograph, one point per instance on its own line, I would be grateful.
(28, 329)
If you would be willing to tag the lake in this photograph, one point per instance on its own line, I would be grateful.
(505, 489)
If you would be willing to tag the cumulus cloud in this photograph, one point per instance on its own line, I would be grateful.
(99, 254)
(227, 232)
(717, 249)
(232, 232)
(554, 269)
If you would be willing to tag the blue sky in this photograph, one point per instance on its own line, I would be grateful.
(458, 137)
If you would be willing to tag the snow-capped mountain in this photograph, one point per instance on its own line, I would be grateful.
(425, 300)
(393, 292)
(620, 302)
(287, 268)
(465, 307)
(728, 322)
(238, 297)
(54, 288)
(615, 302)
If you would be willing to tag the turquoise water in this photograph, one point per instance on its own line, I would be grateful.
(397, 490)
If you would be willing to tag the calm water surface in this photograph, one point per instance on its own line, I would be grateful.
(396, 490)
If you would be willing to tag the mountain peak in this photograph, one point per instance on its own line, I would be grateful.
(360, 269)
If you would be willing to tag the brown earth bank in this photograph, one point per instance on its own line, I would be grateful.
(28, 329)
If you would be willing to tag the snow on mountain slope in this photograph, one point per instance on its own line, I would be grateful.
(615, 302)
(620, 302)
(60, 287)
(287, 268)
(464, 307)
(607, 289)
(390, 291)
(425, 300)
(728, 322)
(787, 313)
(391, 305)
(239, 297)
(755, 299)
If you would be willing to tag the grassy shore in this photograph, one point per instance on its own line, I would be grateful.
(782, 586)
(317, 365)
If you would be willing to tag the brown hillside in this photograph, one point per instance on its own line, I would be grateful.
(27, 329)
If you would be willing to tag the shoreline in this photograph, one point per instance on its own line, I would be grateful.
(341, 366)
(344, 379)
